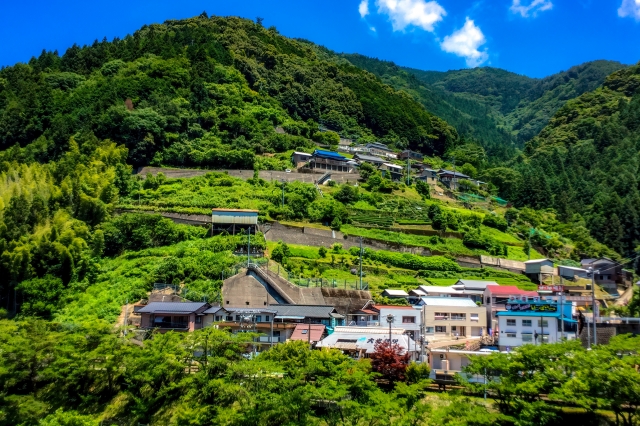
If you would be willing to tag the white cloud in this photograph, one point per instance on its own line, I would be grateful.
(630, 8)
(533, 8)
(373, 29)
(363, 8)
(420, 13)
(465, 43)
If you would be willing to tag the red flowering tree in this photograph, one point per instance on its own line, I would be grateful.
(390, 360)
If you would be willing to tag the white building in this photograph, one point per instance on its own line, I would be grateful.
(534, 323)
(407, 318)
(452, 317)
(361, 341)
(439, 291)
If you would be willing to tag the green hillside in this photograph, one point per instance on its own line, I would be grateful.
(520, 105)
(472, 118)
(587, 159)
(204, 92)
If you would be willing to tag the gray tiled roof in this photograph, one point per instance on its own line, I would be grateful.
(370, 158)
(172, 307)
(312, 311)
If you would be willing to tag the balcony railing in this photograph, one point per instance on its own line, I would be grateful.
(171, 325)
(458, 318)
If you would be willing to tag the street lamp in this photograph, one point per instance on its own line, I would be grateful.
(390, 319)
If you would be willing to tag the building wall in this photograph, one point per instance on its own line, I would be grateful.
(429, 320)
(397, 323)
(504, 341)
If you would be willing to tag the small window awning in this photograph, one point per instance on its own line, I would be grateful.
(345, 345)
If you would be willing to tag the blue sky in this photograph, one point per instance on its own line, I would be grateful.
(532, 37)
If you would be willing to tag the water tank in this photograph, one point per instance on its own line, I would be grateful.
(445, 364)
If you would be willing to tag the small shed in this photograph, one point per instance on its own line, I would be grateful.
(571, 272)
(397, 294)
(538, 266)
(231, 220)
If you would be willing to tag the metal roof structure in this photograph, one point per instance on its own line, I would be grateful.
(399, 293)
(450, 172)
(429, 289)
(365, 338)
(173, 307)
(329, 154)
(473, 284)
(371, 158)
(448, 301)
(537, 261)
(306, 311)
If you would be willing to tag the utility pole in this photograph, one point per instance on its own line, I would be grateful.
(249, 248)
(126, 320)
(360, 263)
(562, 315)
(593, 302)
(409, 169)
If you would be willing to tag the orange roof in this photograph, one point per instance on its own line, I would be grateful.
(301, 332)
(235, 210)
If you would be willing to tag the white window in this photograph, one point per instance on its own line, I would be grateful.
(526, 323)
(474, 317)
(512, 335)
(511, 322)
(408, 320)
(543, 323)
(527, 338)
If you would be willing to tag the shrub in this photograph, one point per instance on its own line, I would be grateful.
(280, 252)
(495, 221)
(423, 189)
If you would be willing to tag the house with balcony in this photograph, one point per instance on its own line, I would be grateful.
(452, 317)
(377, 148)
(328, 161)
(407, 318)
(249, 320)
(173, 316)
(451, 179)
(412, 155)
(371, 159)
(391, 171)
(364, 317)
(428, 175)
(608, 272)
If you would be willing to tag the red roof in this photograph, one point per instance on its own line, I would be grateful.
(301, 332)
(509, 290)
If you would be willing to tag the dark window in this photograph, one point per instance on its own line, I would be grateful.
(246, 303)
(409, 320)
(511, 322)
(227, 302)
(198, 320)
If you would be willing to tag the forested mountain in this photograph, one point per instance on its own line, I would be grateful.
(519, 104)
(585, 163)
(206, 92)
(474, 120)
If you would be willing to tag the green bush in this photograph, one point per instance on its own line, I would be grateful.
(495, 221)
